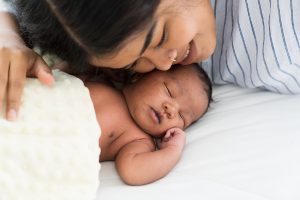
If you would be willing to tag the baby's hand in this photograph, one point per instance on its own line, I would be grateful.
(173, 137)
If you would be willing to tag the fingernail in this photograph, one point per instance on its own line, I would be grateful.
(12, 115)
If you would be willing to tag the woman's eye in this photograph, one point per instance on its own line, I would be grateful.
(169, 92)
(163, 38)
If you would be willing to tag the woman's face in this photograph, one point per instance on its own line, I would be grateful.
(182, 32)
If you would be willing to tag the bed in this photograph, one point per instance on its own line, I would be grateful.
(246, 147)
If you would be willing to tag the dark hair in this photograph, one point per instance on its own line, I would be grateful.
(207, 84)
(74, 30)
(202, 75)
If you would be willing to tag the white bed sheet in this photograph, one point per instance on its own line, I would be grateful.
(246, 147)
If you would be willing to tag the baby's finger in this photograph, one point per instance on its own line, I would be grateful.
(171, 132)
(16, 82)
(167, 136)
(4, 66)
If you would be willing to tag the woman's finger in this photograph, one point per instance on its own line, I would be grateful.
(16, 82)
(4, 67)
(41, 70)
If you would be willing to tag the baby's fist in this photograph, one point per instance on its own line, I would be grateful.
(173, 137)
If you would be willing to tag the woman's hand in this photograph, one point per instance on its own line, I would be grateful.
(17, 61)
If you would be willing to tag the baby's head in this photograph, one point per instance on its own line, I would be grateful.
(160, 100)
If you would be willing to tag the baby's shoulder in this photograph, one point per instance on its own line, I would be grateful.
(106, 98)
(118, 132)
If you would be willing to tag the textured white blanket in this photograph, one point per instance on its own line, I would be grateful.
(51, 151)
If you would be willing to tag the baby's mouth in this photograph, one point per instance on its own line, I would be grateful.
(158, 116)
(155, 115)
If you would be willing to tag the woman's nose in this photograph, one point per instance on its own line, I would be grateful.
(162, 59)
(169, 110)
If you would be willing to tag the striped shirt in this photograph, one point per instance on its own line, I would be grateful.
(4, 7)
(257, 44)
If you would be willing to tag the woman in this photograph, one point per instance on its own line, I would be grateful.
(255, 48)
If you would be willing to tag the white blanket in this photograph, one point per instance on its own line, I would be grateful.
(51, 151)
(247, 147)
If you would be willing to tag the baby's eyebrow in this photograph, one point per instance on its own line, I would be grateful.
(179, 87)
(148, 38)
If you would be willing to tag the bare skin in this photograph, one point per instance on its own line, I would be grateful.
(16, 62)
(133, 150)
(129, 126)
(194, 20)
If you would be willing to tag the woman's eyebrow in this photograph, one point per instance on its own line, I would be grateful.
(148, 38)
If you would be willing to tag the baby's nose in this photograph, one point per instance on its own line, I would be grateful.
(169, 110)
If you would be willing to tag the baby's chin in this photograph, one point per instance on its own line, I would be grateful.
(149, 128)
(154, 133)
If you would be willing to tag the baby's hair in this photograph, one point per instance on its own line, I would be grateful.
(202, 75)
(131, 77)
(206, 82)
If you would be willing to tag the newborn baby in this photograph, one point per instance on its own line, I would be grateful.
(142, 125)
(58, 127)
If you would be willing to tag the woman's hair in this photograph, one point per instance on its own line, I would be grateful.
(75, 30)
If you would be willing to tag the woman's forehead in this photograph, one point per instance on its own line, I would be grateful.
(132, 47)
(127, 54)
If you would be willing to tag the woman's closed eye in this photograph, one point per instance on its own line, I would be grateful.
(163, 38)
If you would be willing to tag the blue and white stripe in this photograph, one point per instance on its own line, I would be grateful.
(257, 44)
(4, 7)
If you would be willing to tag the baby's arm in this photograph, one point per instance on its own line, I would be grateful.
(139, 163)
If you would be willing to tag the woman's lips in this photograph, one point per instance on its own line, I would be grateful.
(192, 54)
(154, 115)
(187, 52)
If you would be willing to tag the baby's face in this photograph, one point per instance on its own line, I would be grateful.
(161, 100)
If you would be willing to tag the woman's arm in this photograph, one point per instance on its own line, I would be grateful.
(138, 162)
(17, 61)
